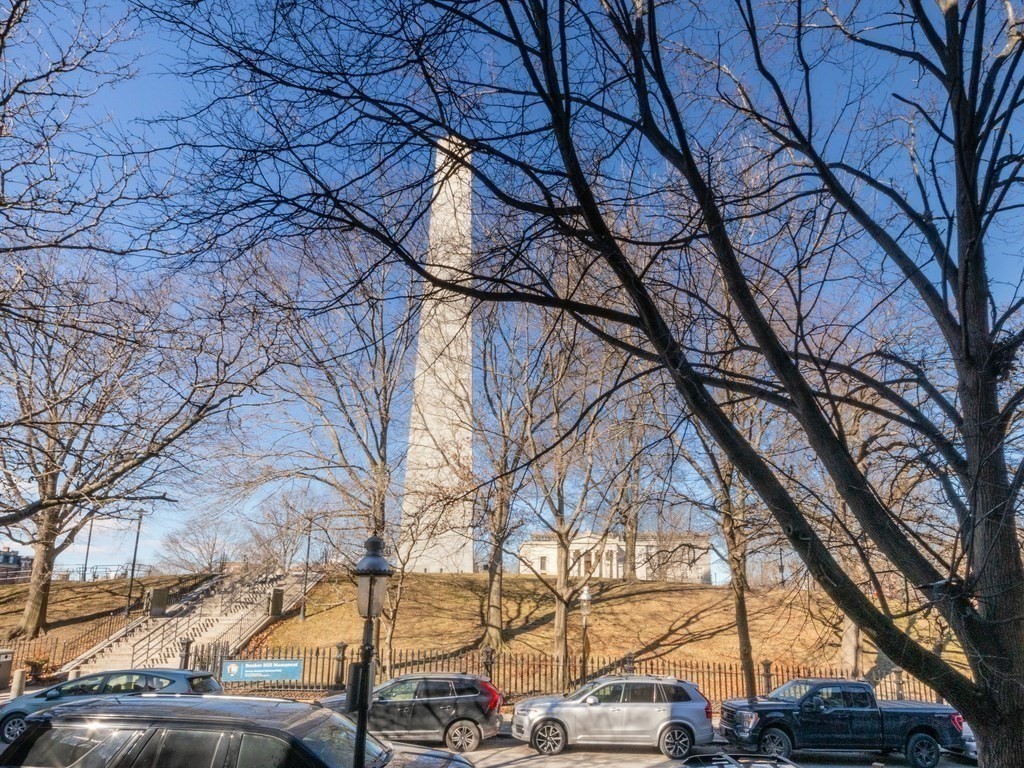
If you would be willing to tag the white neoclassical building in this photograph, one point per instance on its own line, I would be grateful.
(659, 556)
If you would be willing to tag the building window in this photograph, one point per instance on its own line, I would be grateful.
(543, 565)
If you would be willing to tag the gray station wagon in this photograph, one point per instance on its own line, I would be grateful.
(619, 709)
(113, 683)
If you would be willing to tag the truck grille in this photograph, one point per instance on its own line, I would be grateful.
(728, 715)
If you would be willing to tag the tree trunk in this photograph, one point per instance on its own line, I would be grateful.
(385, 651)
(33, 619)
(494, 635)
(736, 552)
(560, 648)
(499, 514)
(1000, 742)
(851, 647)
(378, 503)
(630, 525)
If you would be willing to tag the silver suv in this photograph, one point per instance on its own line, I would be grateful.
(619, 709)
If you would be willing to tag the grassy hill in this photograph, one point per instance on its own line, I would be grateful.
(685, 621)
(444, 612)
(75, 606)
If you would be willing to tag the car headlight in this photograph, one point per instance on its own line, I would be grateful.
(746, 720)
(525, 711)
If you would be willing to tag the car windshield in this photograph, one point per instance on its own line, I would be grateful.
(332, 739)
(791, 691)
(582, 693)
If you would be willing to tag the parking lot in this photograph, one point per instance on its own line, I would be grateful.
(505, 752)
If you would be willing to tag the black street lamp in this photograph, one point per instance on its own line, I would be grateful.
(88, 546)
(305, 570)
(372, 574)
(131, 577)
(585, 601)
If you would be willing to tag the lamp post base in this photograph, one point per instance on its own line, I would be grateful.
(363, 695)
(585, 654)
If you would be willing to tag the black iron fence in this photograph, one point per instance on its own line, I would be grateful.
(521, 675)
(45, 655)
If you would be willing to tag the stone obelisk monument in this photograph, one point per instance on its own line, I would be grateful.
(437, 510)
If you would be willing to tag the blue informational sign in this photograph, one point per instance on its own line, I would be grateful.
(239, 671)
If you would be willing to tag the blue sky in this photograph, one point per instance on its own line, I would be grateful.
(152, 93)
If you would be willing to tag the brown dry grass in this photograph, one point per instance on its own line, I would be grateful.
(75, 606)
(684, 621)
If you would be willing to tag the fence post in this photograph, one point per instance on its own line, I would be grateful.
(186, 645)
(766, 675)
(899, 683)
(630, 664)
(339, 666)
(18, 683)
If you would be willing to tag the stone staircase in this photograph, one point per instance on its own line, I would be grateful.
(229, 611)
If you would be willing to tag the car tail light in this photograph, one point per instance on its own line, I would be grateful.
(494, 702)
(958, 721)
(707, 706)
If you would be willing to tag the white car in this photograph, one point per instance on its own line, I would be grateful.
(970, 745)
(644, 710)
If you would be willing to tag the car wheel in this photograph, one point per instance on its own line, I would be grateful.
(675, 742)
(922, 751)
(11, 727)
(775, 742)
(462, 736)
(549, 738)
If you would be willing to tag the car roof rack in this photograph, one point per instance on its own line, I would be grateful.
(217, 696)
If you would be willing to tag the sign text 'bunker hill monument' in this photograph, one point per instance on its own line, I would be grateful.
(437, 509)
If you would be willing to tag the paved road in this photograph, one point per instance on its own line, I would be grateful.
(505, 752)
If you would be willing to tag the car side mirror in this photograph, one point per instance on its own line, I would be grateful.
(592, 701)
(814, 704)
(52, 694)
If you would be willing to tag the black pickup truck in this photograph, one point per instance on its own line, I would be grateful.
(842, 715)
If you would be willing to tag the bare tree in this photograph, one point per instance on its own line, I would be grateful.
(342, 394)
(573, 464)
(280, 526)
(509, 380)
(68, 177)
(201, 544)
(341, 390)
(730, 507)
(108, 388)
(882, 201)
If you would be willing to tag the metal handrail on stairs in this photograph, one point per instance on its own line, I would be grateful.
(146, 648)
(233, 634)
(94, 651)
(180, 598)
(162, 635)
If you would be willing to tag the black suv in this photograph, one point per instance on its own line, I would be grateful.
(460, 710)
(189, 731)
